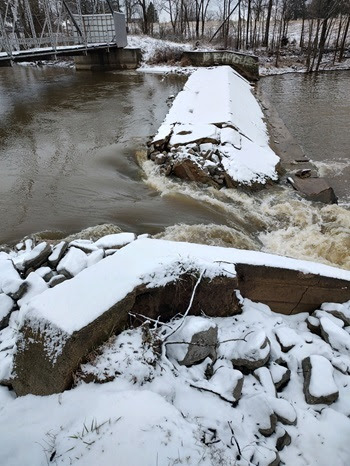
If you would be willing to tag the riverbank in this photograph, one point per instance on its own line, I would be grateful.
(263, 388)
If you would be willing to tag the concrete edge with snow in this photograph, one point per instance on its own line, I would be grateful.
(215, 133)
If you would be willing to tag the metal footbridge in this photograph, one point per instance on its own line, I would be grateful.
(59, 29)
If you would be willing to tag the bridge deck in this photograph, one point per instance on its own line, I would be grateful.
(49, 53)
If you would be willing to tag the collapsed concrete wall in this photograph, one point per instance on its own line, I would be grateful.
(156, 279)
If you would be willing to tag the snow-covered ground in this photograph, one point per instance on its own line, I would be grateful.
(272, 389)
(147, 409)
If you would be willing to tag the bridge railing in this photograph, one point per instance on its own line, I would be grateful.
(88, 30)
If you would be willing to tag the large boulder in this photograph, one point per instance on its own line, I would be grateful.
(314, 189)
(187, 169)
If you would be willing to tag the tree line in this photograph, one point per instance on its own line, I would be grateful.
(323, 25)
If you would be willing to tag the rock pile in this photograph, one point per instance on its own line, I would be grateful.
(215, 134)
(269, 378)
(31, 268)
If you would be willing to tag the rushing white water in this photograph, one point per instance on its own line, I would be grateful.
(276, 220)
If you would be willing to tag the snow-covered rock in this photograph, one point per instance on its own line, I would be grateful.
(35, 286)
(6, 306)
(265, 378)
(193, 342)
(10, 281)
(33, 258)
(280, 375)
(72, 263)
(319, 385)
(57, 253)
(115, 241)
(253, 352)
(341, 311)
(287, 338)
(338, 338)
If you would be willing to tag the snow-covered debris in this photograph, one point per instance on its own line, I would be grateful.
(202, 418)
(217, 107)
(338, 338)
(33, 258)
(319, 314)
(45, 272)
(6, 306)
(95, 257)
(56, 280)
(341, 311)
(141, 270)
(194, 341)
(283, 410)
(265, 378)
(57, 253)
(115, 241)
(10, 281)
(73, 262)
(252, 352)
(36, 285)
(225, 382)
(287, 338)
(85, 245)
(319, 384)
(280, 375)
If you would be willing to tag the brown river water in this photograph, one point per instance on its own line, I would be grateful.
(67, 161)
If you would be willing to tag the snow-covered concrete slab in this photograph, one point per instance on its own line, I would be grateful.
(217, 105)
(62, 324)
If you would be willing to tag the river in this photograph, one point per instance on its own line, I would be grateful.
(67, 161)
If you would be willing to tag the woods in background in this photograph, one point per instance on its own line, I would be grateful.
(310, 28)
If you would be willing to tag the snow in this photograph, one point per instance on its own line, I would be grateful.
(338, 338)
(6, 304)
(10, 280)
(187, 134)
(321, 380)
(221, 98)
(264, 376)
(148, 410)
(77, 302)
(137, 427)
(36, 286)
(287, 337)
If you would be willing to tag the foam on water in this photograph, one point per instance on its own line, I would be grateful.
(276, 220)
